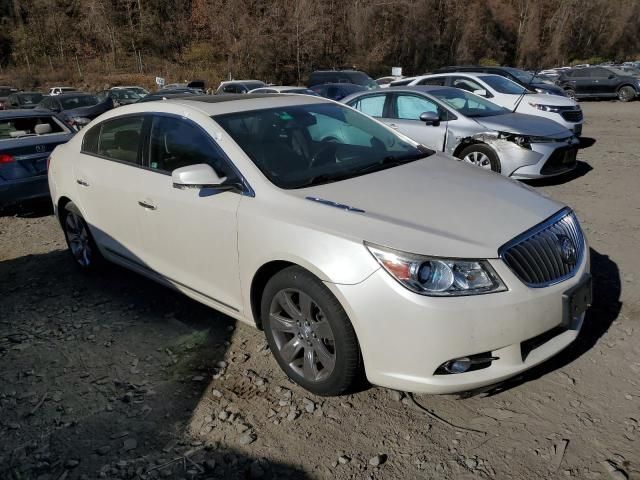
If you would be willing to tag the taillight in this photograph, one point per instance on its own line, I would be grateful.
(5, 158)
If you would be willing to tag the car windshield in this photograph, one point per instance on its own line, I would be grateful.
(252, 85)
(502, 84)
(125, 94)
(305, 145)
(467, 103)
(12, 128)
(30, 98)
(624, 72)
(360, 78)
(302, 91)
(78, 101)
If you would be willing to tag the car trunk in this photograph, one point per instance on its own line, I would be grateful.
(28, 155)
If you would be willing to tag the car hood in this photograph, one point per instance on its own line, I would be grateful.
(549, 88)
(524, 125)
(435, 206)
(89, 112)
(546, 99)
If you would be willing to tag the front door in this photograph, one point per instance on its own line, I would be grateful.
(406, 111)
(190, 234)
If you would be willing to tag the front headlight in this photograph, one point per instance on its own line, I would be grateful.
(545, 108)
(439, 277)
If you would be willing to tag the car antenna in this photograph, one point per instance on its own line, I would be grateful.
(524, 91)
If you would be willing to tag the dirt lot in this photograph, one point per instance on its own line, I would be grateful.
(112, 376)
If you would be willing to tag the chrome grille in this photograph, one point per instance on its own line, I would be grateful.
(572, 115)
(548, 253)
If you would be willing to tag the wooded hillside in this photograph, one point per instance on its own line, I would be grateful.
(283, 40)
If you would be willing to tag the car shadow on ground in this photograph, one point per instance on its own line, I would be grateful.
(602, 313)
(582, 168)
(101, 373)
(32, 209)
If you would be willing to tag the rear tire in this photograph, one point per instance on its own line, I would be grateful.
(309, 333)
(82, 247)
(571, 93)
(482, 156)
(626, 94)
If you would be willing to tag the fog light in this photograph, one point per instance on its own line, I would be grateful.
(459, 365)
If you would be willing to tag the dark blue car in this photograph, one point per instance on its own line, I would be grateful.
(77, 108)
(27, 138)
(337, 91)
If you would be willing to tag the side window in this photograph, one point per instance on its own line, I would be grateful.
(176, 143)
(433, 81)
(599, 73)
(466, 84)
(229, 89)
(13, 100)
(410, 107)
(90, 140)
(120, 139)
(372, 105)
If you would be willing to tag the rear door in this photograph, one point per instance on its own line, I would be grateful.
(406, 110)
(108, 175)
(581, 82)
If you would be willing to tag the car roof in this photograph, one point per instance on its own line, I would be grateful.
(226, 82)
(282, 87)
(219, 104)
(73, 94)
(5, 114)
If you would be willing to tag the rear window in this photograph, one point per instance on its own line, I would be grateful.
(30, 98)
(30, 126)
(5, 92)
(69, 103)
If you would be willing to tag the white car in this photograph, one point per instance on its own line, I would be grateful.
(59, 90)
(511, 95)
(357, 250)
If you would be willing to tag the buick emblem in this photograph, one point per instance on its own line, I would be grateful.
(40, 148)
(567, 249)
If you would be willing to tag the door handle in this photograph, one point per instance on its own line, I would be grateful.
(82, 182)
(148, 206)
(392, 125)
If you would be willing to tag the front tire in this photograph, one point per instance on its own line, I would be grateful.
(81, 245)
(626, 94)
(482, 156)
(571, 93)
(309, 333)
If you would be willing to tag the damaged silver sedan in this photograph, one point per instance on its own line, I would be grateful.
(474, 129)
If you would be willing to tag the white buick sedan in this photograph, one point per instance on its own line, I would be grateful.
(355, 249)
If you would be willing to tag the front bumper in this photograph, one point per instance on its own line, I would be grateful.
(552, 159)
(20, 190)
(405, 337)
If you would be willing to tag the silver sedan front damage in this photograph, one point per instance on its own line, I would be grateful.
(515, 160)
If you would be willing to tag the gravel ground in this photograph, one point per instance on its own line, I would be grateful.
(113, 376)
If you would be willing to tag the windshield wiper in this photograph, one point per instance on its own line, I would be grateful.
(319, 179)
(386, 162)
(392, 161)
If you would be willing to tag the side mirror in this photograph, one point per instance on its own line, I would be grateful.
(482, 92)
(199, 176)
(430, 118)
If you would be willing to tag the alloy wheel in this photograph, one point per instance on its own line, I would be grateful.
(78, 238)
(625, 94)
(478, 159)
(303, 336)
